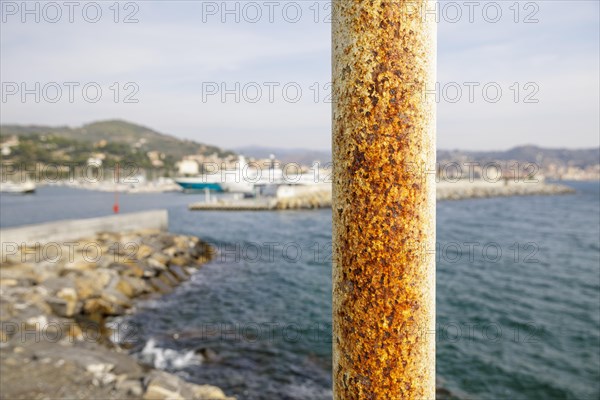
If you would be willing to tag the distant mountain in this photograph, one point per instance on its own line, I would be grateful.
(300, 156)
(581, 158)
(117, 131)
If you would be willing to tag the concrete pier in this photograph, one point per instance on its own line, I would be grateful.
(236, 205)
(292, 197)
(61, 231)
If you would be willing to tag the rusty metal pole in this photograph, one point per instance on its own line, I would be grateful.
(383, 199)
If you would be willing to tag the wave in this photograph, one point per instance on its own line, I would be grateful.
(168, 359)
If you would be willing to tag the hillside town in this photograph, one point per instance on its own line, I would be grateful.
(143, 160)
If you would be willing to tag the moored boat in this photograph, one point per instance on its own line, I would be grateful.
(17, 188)
(200, 183)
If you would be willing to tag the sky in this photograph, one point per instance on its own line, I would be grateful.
(241, 73)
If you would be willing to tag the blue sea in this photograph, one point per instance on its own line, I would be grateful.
(518, 295)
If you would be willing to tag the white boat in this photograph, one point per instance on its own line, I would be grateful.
(240, 179)
(17, 188)
(249, 181)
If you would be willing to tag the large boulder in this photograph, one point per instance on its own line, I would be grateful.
(54, 284)
(160, 286)
(65, 303)
(114, 296)
(130, 269)
(90, 285)
(136, 285)
(161, 257)
(162, 386)
(182, 243)
(99, 306)
(181, 261)
(144, 251)
(155, 264)
(168, 278)
(178, 272)
(24, 274)
(124, 287)
(131, 387)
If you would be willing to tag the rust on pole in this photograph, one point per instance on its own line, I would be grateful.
(383, 199)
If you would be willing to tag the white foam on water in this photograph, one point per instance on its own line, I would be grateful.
(162, 358)
(307, 390)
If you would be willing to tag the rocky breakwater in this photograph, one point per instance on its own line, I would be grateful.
(470, 189)
(55, 299)
(291, 197)
(320, 195)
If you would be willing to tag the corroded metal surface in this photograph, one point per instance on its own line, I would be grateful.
(383, 200)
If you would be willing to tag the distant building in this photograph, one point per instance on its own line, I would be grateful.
(12, 141)
(94, 162)
(140, 143)
(188, 167)
(156, 158)
(99, 156)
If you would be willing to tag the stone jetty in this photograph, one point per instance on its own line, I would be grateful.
(288, 197)
(307, 196)
(471, 189)
(55, 299)
(296, 197)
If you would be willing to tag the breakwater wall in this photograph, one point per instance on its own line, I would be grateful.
(60, 231)
(297, 197)
(466, 189)
(292, 197)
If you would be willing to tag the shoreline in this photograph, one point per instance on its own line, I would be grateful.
(448, 189)
(55, 311)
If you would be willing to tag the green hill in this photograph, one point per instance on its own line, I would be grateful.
(118, 140)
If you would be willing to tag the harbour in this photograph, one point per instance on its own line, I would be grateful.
(264, 320)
